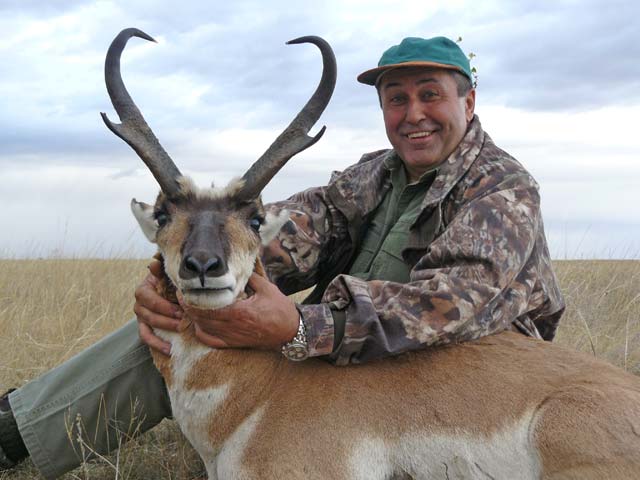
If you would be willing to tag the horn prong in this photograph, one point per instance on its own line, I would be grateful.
(294, 138)
(134, 129)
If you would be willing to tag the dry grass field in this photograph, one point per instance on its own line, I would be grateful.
(50, 309)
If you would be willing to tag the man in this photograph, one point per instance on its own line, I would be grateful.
(439, 240)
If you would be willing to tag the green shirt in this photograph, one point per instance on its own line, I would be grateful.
(379, 256)
(380, 253)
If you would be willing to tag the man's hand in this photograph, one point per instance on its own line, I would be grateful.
(154, 311)
(266, 320)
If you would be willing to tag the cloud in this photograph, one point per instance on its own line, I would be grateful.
(36, 8)
(558, 89)
(559, 56)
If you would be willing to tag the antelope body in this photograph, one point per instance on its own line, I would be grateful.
(502, 407)
(464, 411)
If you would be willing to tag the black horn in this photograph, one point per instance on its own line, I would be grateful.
(295, 137)
(133, 129)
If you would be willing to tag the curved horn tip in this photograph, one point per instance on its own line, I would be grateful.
(136, 32)
(306, 39)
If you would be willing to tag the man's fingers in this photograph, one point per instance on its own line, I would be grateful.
(180, 298)
(152, 340)
(155, 320)
(147, 296)
(155, 267)
(258, 282)
(209, 340)
(151, 281)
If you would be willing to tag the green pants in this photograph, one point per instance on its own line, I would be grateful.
(110, 389)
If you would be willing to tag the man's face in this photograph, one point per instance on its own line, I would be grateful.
(424, 117)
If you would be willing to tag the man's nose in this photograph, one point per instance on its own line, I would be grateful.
(415, 112)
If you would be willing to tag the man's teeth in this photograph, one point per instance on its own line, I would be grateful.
(419, 134)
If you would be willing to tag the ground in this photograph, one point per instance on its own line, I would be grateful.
(52, 308)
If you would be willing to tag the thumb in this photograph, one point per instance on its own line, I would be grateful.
(258, 283)
(155, 267)
(181, 301)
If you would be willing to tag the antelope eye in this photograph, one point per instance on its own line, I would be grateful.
(255, 223)
(162, 218)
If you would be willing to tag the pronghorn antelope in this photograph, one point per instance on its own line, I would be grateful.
(503, 407)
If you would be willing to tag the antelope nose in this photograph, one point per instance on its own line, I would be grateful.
(201, 267)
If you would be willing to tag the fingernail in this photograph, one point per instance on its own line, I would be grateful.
(167, 351)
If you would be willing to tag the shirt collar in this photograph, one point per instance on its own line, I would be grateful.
(398, 172)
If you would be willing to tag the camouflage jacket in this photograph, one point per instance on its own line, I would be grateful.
(477, 251)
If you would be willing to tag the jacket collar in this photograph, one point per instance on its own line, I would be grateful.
(456, 165)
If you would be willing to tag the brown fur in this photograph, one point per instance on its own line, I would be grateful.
(237, 235)
(477, 388)
(585, 414)
(168, 291)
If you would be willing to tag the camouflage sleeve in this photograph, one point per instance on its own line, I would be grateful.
(472, 281)
(295, 258)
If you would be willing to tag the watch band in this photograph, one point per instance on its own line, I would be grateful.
(298, 348)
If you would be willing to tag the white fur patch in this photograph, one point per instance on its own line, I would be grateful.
(229, 461)
(504, 455)
(172, 268)
(209, 299)
(188, 186)
(144, 215)
(241, 266)
(272, 225)
(192, 409)
(224, 281)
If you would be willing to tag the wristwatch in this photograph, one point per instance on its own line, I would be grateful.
(298, 348)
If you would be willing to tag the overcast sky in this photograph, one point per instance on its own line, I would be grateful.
(559, 88)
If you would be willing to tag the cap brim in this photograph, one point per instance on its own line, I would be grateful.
(371, 76)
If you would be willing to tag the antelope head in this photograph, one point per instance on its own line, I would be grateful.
(210, 238)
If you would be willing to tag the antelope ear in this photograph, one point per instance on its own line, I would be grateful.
(272, 225)
(144, 215)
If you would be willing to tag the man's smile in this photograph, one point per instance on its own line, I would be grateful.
(419, 135)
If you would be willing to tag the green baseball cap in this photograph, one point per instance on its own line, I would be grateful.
(439, 52)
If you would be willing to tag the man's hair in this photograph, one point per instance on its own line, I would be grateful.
(462, 82)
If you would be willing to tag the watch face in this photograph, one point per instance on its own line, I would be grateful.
(297, 352)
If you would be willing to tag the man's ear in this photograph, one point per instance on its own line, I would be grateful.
(272, 225)
(144, 215)
(470, 104)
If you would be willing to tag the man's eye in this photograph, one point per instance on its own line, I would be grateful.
(429, 94)
(162, 218)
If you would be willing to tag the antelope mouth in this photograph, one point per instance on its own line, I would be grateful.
(207, 285)
(200, 291)
(209, 297)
